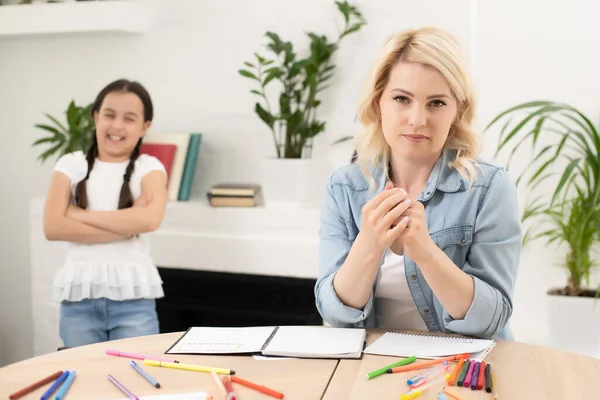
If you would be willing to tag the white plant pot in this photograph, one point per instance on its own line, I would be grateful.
(575, 324)
(291, 183)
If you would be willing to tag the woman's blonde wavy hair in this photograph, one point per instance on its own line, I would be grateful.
(440, 50)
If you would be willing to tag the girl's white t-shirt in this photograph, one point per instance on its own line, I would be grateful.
(394, 304)
(121, 270)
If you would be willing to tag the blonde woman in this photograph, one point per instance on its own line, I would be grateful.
(420, 234)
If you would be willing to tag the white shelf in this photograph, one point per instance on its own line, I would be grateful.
(127, 16)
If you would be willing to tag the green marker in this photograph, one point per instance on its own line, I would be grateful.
(463, 373)
(383, 370)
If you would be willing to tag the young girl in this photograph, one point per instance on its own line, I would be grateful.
(101, 202)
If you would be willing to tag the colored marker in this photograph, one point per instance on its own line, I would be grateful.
(35, 385)
(428, 375)
(467, 381)
(463, 373)
(144, 374)
(475, 375)
(218, 383)
(229, 388)
(62, 392)
(488, 378)
(122, 388)
(55, 386)
(137, 356)
(416, 392)
(481, 376)
(383, 370)
(189, 367)
(258, 388)
(456, 372)
(425, 364)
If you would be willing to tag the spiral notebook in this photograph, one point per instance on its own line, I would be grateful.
(285, 341)
(428, 346)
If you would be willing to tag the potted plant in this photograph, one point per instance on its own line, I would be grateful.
(290, 175)
(567, 164)
(77, 135)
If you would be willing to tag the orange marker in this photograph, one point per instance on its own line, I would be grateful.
(451, 395)
(425, 364)
(456, 371)
(258, 388)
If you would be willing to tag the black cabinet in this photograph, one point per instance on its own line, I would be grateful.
(203, 298)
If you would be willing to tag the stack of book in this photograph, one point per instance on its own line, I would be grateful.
(178, 152)
(235, 195)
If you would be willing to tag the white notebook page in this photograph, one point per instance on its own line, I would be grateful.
(315, 340)
(421, 346)
(223, 340)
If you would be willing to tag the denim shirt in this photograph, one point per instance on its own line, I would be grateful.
(479, 229)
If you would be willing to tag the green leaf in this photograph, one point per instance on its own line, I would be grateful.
(352, 29)
(57, 123)
(342, 139)
(257, 93)
(51, 139)
(264, 115)
(72, 116)
(249, 64)
(50, 152)
(284, 105)
(518, 107)
(259, 58)
(344, 8)
(248, 74)
(564, 178)
(273, 75)
(50, 129)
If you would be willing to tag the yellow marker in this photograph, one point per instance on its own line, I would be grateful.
(413, 393)
(494, 389)
(188, 367)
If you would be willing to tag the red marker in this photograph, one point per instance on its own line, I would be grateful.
(229, 388)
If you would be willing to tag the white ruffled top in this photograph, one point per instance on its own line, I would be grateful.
(116, 271)
(121, 270)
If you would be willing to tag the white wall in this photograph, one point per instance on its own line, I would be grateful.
(532, 50)
(189, 62)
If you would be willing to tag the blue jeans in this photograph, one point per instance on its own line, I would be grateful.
(99, 320)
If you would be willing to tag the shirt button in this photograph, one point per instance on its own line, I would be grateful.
(414, 277)
(426, 310)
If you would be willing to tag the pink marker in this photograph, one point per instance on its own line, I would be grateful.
(467, 382)
(137, 356)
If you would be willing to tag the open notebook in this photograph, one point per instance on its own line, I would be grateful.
(286, 341)
(428, 346)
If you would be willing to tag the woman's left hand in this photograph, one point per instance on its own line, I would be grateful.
(417, 243)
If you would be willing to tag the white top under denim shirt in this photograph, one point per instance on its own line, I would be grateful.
(122, 270)
(395, 306)
(478, 229)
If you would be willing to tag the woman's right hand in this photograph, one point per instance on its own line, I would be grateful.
(382, 220)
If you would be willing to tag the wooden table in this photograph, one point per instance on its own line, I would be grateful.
(523, 371)
(297, 379)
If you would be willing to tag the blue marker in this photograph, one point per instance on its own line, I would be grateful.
(65, 387)
(144, 374)
(55, 386)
